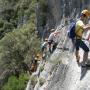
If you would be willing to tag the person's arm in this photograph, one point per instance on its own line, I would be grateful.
(88, 37)
(86, 27)
(56, 34)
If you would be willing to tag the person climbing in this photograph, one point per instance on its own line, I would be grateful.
(45, 48)
(52, 40)
(34, 63)
(79, 29)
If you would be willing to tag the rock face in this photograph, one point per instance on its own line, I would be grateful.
(64, 73)
(70, 75)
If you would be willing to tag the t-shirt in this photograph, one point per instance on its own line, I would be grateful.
(51, 37)
(45, 44)
(79, 29)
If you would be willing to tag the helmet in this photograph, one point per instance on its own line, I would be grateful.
(85, 12)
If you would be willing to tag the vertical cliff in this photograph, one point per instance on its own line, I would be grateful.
(61, 72)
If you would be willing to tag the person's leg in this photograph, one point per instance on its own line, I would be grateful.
(49, 46)
(85, 57)
(77, 50)
(77, 55)
(54, 46)
(86, 50)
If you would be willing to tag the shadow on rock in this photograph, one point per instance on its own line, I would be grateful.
(83, 73)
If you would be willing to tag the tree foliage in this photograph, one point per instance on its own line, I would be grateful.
(16, 83)
(17, 45)
(14, 13)
(18, 40)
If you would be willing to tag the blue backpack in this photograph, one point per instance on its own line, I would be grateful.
(71, 30)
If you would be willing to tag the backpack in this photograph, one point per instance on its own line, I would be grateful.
(71, 30)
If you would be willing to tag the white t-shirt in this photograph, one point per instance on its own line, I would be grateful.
(51, 37)
(44, 44)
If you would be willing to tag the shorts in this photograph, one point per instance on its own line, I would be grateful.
(81, 44)
(50, 42)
